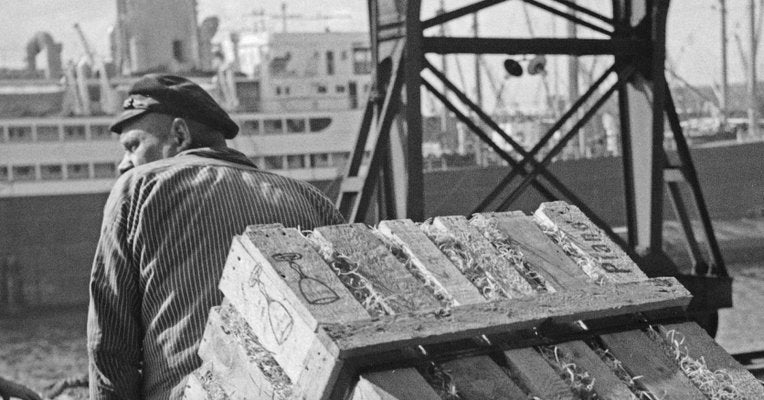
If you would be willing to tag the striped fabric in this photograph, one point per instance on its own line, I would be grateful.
(167, 229)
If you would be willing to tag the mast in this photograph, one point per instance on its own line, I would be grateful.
(725, 84)
(444, 62)
(573, 82)
(753, 131)
(478, 85)
(283, 17)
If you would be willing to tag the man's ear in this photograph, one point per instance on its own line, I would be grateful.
(180, 132)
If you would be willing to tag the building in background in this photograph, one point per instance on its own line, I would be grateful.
(297, 97)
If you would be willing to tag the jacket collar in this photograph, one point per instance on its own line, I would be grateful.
(225, 154)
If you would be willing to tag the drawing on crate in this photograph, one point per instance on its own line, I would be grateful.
(279, 318)
(312, 289)
(600, 250)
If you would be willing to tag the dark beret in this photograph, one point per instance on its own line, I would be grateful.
(176, 96)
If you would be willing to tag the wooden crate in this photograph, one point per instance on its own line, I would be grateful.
(501, 306)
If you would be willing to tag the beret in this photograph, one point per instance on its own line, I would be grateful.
(176, 96)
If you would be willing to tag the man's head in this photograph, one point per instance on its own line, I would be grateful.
(165, 115)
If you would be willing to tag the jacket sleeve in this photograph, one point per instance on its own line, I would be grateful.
(114, 328)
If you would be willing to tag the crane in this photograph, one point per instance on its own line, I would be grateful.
(109, 101)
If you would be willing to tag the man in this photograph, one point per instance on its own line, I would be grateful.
(168, 224)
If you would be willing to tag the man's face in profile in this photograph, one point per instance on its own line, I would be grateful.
(147, 139)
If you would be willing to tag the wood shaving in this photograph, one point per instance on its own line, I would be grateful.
(583, 260)
(280, 382)
(578, 379)
(465, 263)
(440, 380)
(509, 251)
(717, 385)
(424, 276)
(632, 382)
(347, 271)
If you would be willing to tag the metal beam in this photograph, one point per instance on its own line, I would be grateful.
(460, 12)
(660, 89)
(584, 10)
(692, 179)
(496, 128)
(518, 168)
(569, 17)
(484, 136)
(557, 147)
(353, 202)
(626, 161)
(530, 157)
(574, 47)
(412, 68)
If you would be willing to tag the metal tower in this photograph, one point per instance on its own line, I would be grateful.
(635, 33)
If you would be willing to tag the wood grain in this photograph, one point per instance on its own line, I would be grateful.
(430, 261)
(606, 385)
(272, 309)
(475, 378)
(540, 253)
(399, 291)
(194, 389)
(315, 285)
(658, 373)
(390, 279)
(402, 384)
(210, 383)
(479, 378)
(427, 327)
(224, 348)
(499, 269)
(544, 256)
(589, 241)
(698, 344)
(536, 375)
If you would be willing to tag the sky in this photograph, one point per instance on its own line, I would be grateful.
(693, 29)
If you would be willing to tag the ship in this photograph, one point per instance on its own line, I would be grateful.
(297, 97)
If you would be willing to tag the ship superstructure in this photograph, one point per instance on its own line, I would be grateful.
(297, 97)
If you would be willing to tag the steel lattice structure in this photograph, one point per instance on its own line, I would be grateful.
(635, 35)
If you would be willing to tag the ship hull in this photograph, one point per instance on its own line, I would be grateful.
(54, 237)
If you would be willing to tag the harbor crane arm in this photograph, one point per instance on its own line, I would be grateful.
(109, 101)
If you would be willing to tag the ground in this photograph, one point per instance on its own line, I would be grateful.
(39, 349)
(741, 327)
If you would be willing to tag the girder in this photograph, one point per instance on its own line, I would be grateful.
(634, 35)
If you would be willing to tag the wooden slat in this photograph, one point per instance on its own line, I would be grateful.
(389, 278)
(305, 272)
(488, 258)
(463, 322)
(194, 389)
(276, 309)
(699, 344)
(402, 384)
(210, 383)
(639, 356)
(224, 347)
(540, 253)
(658, 373)
(590, 242)
(428, 258)
(548, 259)
(551, 261)
(475, 378)
(399, 291)
(536, 375)
(479, 378)
(606, 385)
